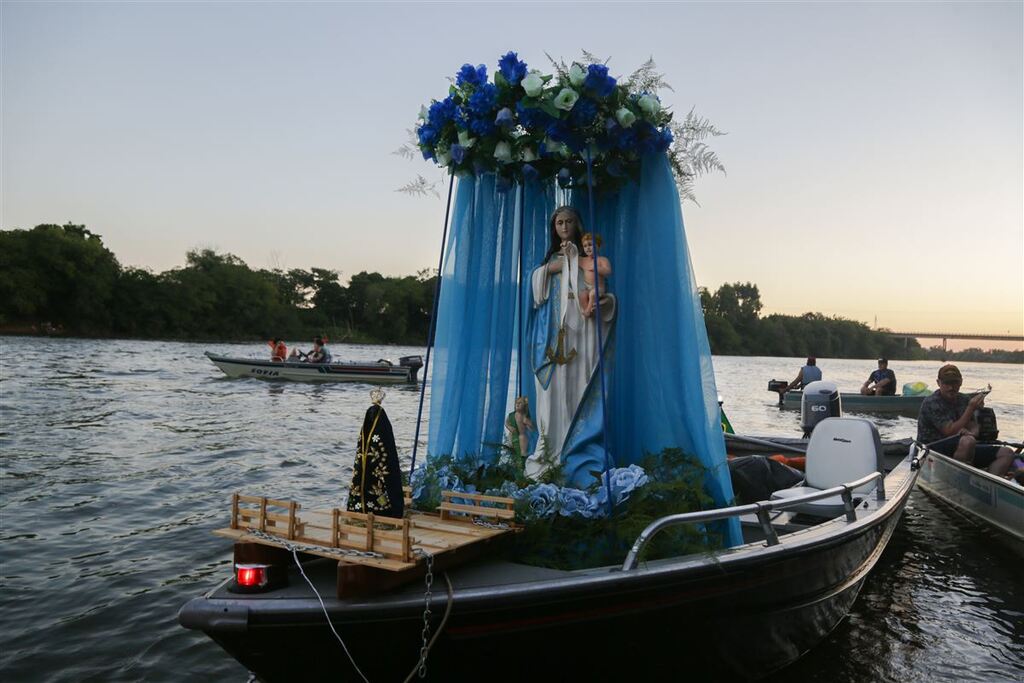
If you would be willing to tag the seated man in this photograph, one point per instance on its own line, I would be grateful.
(808, 373)
(947, 425)
(881, 382)
(319, 354)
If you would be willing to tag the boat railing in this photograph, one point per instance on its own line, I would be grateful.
(762, 509)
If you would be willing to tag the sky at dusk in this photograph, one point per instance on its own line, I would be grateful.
(874, 151)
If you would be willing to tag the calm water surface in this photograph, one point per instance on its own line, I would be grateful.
(119, 458)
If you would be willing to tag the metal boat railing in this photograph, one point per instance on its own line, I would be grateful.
(761, 509)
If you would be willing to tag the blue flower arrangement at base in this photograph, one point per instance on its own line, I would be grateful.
(570, 528)
(526, 125)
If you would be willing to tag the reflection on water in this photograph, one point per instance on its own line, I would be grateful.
(119, 457)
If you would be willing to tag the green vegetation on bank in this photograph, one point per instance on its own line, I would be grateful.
(62, 279)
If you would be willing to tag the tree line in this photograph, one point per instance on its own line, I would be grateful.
(62, 279)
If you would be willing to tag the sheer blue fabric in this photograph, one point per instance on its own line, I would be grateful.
(660, 381)
(477, 327)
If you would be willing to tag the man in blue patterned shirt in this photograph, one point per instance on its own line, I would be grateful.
(947, 424)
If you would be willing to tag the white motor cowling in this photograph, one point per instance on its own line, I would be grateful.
(820, 401)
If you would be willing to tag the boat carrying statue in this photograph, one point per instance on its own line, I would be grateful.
(574, 495)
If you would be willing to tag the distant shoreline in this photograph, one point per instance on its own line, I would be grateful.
(22, 331)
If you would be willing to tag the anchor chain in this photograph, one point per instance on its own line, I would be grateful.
(304, 547)
(490, 525)
(424, 648)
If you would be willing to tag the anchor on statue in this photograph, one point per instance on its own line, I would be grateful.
(558, 356)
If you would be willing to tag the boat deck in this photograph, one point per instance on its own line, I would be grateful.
(369, 547)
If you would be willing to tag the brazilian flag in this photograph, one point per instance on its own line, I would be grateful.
(726, 425)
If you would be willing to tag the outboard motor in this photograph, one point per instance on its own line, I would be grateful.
(414, 362)
(820, 400)
(988, 430)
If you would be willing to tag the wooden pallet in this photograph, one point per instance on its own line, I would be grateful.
(452, 536)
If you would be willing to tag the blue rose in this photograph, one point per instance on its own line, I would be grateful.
(426, 134)
(505, 119)
(441, 112)
(564, 177)
(418, 481)
(623, 481)
(584, 113)
(532, 117)
(468, 75)
(544, 500)
(482, 127)
(646, 138)
(483, 99)
(664, 139)
(598, 81)
(597, 503)
(574, 503)
(458, 153)
(511, 68)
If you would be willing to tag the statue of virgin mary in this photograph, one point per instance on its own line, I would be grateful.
(564, 353)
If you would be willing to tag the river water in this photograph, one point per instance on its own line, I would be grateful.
(119, 457)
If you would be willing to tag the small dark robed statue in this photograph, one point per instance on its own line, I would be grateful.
(376, 475)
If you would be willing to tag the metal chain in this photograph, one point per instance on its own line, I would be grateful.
(429, 581)
(490, 525)
(303, 547)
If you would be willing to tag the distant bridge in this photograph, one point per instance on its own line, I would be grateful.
(944, 336)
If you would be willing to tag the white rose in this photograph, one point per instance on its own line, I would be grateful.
(649, 104)
(625, 117)
(465, 140)
(577, 75)
(443, 157)
(566, 99)
(503, 152)
(533, 84)
(528, 155)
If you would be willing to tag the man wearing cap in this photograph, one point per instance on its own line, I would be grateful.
(881, 382)
(946, 423)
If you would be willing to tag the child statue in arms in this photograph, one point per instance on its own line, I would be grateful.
(594, 286)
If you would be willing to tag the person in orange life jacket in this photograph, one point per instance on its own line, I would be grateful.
(278, 350)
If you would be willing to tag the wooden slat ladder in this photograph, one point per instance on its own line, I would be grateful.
(265, 520)
(471, 505)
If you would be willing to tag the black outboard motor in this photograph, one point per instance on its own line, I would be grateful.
(820, 400)
(988, 431)
(414, 362)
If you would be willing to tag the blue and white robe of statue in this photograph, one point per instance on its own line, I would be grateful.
(564, 356)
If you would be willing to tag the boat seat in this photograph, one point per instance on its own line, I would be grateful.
(841, 449)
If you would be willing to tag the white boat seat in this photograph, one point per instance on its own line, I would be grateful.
(841, 449)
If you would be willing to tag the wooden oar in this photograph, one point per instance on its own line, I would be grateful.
(765, 443)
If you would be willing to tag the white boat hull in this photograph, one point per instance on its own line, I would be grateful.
(380, 372)
(981, 496)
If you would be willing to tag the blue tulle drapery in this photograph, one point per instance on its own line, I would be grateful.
(661, 388)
